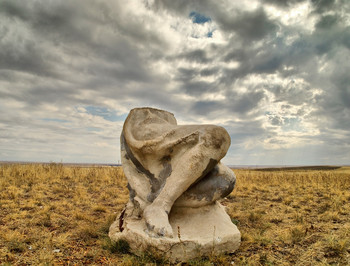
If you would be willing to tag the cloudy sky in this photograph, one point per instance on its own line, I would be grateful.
(274, 73)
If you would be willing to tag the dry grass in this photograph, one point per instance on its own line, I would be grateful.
(52, 214)
(55, 214)
(292, 217)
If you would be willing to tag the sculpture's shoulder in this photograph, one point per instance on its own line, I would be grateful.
(149, 109)
(147, 123)
(146, 116)
(151, 114)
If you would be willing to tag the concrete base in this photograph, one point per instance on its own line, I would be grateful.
(198, 232)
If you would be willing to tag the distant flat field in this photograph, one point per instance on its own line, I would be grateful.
(60, 214)
(64, 164)
(298, 168)
(256, 167)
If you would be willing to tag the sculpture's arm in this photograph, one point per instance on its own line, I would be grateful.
(168, 143)
(178, 135)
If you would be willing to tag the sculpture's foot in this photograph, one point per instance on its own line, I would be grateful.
(157, 221)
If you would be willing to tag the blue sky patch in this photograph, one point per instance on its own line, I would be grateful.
(106, 113)
(291, 124)
(199, 18)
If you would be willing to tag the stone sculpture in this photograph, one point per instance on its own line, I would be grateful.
(175, 179)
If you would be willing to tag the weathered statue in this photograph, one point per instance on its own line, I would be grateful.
(172, 169)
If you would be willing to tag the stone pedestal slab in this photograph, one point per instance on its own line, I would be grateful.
(202, 231)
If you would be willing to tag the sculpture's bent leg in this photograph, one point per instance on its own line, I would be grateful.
(188, 168)
(217, 184)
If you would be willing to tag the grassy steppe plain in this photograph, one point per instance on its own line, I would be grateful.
(59, 215)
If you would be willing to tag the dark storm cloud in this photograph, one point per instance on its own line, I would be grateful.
(197, 88)
(181, 6)
(245, 102)
(186, 74)
(72, 27)
(206, 107)
(249, 25)
(83, 43)
(113, 71)
(39, 15)
(248, 101)
(56, 21)
(198, 55)
(326, 22)
(334, 106)
(343, 83)
(284, 3)
(241, 131)
(37, 95)
(209, 71)
(266, 59)
(293, 93)
(236, 55)
(322, 5)
(238, 104)
(27, 56)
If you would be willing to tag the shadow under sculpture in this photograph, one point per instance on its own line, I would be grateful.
(175, 179)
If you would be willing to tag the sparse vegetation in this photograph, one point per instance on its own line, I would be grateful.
(56, 214)
(292, 216)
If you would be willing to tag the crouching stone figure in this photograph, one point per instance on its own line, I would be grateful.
(175, 180)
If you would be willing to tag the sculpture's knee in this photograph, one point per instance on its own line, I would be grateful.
(217, 139)
(216, 185)
(219, 182)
